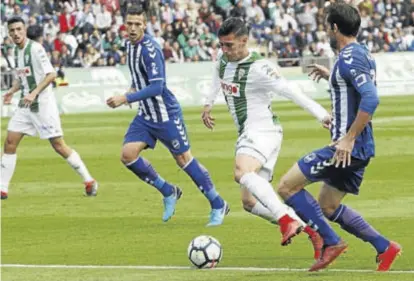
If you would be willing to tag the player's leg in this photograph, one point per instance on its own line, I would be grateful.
(75, 161)
(330, 199)
(19, 125)
(143, 169)
(201, 177)
(48, 125)
(173, 135)
(138, 138)
(253, 206)
(291, 187)
(246, 174)
(8, 160)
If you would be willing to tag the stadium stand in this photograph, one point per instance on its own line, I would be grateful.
(85, 33)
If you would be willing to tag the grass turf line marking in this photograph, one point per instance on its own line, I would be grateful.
(161, 267)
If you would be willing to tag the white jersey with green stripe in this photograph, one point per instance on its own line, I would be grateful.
(32, 66)
(248, 86)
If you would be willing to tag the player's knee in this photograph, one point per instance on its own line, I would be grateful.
(238, 174)
(328, 208)
(284, 188)
(128, 155)
(248, 204)
(183, 159)
(10, 146)
(60, 146)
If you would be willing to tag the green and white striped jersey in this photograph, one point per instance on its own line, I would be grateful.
(32, 66)
(248, 86)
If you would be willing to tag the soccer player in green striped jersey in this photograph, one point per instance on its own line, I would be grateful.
(247, 82)
(37, 112)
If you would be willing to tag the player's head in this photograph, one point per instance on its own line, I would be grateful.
(135, 22)
(343, 20)
(233, 35)
(17, 30)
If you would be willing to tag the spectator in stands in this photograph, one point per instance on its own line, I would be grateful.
(239, 10)
(67, 21)
(153, 25)
(78, 60)
(92, 33)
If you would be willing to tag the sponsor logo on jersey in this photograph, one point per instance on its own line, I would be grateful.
(270, 71)
(242, 72)
(23, 72)
(309, 158)
(230, 89)
(154, 68)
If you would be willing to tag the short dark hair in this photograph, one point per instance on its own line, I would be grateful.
(135, 10)
(15, 20)
(234, 25)
(345, 16)
(34, 32)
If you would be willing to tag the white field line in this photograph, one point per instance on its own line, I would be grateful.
(161, 267)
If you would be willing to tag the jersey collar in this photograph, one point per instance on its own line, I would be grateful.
(245, 59)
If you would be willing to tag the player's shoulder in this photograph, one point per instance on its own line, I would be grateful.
(37, 50)
(264, 66)
(36, 46)
(150, 47)
(149, 44)
(355, 56)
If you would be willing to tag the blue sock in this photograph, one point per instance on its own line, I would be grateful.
(201, 178)
(144, 170)
(307, 207)
(353, 223)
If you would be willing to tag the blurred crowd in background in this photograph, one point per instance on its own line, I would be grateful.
(87, 33)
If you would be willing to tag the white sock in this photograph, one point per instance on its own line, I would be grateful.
(294, 216)
(263, 191)
(8, 164)
(263, 212)
(77, 164)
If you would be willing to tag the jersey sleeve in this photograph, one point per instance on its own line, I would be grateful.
(154, 62)
(215, 83)
(40, 58)
(269, 76)
(356, 72)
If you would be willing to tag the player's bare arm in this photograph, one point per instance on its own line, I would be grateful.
(8, 96)
(318, 72)
(116, 101)
(345, 145)
(49, 78)
(208, 120)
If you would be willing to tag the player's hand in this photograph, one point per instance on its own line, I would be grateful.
(208, 120)
(116, 101)
(318, 72)
(7, 98)
(344, 147)
(327, 122)
(29, 99)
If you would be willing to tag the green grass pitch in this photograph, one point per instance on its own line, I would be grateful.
(48, 221)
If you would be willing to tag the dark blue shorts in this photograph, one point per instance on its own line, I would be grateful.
(316, 166)
(173, 133)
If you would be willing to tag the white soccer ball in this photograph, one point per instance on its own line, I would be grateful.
(205, 252)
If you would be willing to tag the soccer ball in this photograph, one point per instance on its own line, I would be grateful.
(205, 252)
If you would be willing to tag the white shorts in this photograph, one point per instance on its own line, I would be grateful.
(45, 123)
(263, 145)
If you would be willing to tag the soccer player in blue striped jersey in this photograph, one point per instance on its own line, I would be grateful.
(159, 118)
(341, 165)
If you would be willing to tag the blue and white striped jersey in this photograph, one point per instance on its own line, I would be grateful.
(353, 88)
(146, 64)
